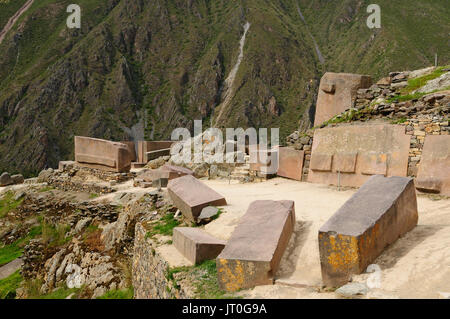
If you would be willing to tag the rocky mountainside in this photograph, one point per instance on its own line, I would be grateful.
(139, 69)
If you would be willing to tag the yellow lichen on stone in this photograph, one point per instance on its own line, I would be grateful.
(233, 279)
(343, 252)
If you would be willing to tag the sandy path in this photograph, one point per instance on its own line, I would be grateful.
(14, 19)
(416, 266)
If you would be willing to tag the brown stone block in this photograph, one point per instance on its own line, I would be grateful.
(176, 171)
(345, 163)
(131, 148)
(374, 164)
(253, 253)
(358, 151)
(190, 196)
(434, 170)
(290, 163)
(196, 245)
(145, 147)
(376, 216)
(321, 162)
(337, 93)
(102, 154)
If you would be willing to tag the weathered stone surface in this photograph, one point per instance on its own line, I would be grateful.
(352, 290)
(380, 212)
(290, 163)
(190, 196)
(196, 245)
(18, 179)
(253, 253)
(434, 170)
(152, 155)
(145, 147)
(348, 155)
(102, 154)
(176, 171)
(263, 161)
(5, 179)
(63, 165)
(337, 93)
(131, 149)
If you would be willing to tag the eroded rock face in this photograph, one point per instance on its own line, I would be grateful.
(76, 268)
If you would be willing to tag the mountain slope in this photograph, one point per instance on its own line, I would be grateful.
(139, 69)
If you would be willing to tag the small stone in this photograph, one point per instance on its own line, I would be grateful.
(208, 213)
(352, 290)
(5, 179)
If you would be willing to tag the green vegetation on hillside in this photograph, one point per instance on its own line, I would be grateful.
(157, 65)
(9, 285)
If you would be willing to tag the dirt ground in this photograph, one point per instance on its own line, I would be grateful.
(416, 266)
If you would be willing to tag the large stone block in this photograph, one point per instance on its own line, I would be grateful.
(190, 196)
(149, 156)
(337, 93)
(434, 170)
(145, 147)
(264, 161)
(348, 155)
(131, 148)
(290, 163)
(102, 154)
(196, 245)
(380, 212)
(252, 254)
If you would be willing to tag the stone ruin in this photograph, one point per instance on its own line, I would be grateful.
(380, 212)
(434, 171)
(196, 245)
(337, 93)
(290, 163)
(252, 255)
(150, 150)
(349, 155)
(190, 196)
(102, 154)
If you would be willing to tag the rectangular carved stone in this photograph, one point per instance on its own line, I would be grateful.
(149, 156)
(131, 148)
(102, 154)
(290, 163)
(345, 163)
(382, 149)
(190, 196)
(434, 170)
(321, 162)
(145, 147)
(374, 164)
(253, 253)
(376, 216)
(263, 161)
(196, 245)
(337, 93)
